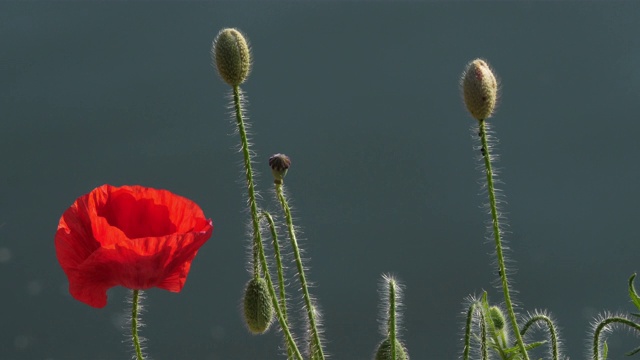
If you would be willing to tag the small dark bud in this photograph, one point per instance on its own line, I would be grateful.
(279, 164)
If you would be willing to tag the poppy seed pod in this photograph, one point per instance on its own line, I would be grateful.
(258, 309)
(480, 89)
(232, 56)
(384, 351)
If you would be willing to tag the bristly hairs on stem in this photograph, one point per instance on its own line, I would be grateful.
(391, 347)
(475, 330)
(279, 164)
(602, 326)
(232, 57)
(480, 90)
(543, 321)
(138, 342)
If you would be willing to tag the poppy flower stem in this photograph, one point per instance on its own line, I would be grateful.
(280, 308)
(316, 348)
(134, 323)
(497, 237)
(257, 238)
(276, 250)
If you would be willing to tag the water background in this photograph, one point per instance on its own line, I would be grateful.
(364, 97)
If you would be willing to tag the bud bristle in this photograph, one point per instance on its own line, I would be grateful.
(258, 308)
(384, 351)
(232, 56)
(480, 89)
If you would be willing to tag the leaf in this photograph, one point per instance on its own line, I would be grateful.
(605, 350)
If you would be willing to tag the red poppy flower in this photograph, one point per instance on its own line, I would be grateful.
(131, 236)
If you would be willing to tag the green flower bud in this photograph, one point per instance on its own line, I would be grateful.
(496, 315)
(480, 89)
(258, 308)
(231, 54)
(384, 351)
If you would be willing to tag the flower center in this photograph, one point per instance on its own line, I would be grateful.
(137, 218)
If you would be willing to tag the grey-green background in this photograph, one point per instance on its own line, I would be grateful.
(364, 97)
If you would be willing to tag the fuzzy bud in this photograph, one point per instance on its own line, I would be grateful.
(480, 89)
(497, 317)
(279, 164)
(231, 54)
(258, 309)
(384, 351)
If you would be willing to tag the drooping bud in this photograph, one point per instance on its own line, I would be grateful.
(232, 56)
(480, 89)
(279, 163)
(258, 308)
(384, 351)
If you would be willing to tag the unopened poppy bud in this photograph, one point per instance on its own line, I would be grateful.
(384, 351)
(258, 309)
(279, 163)
(232, 56)
(497, 317)
(480, 89)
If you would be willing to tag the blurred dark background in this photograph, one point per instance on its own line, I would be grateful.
(364, 97)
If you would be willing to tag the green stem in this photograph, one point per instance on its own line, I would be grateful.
(467, 331)
(134, 324)
(303, 281)
(552, 332)
(392, 317)
(498, 241)
(276, 250)
(257, 238)
(276, 305)
(602, 325)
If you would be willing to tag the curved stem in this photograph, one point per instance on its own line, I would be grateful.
(602, 325)
(276, 305)
(498, 240)
(552, 332)
(303, 281)
(276, 250)
(249, 174)
(134, 324)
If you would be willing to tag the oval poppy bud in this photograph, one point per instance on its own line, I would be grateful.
(384, 351)
(258, 309)
(232, 56)
(480, 89)
(132, 236)
(496, 315)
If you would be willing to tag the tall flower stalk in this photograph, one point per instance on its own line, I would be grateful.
(280, 164)
(480, 89)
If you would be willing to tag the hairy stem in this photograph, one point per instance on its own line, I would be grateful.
(303, 282)
(257, 238)
(603, 324)
(392, 317)
(553, 333)
(498, 240)
(291, 344)
(134, 324)
(276, 250)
